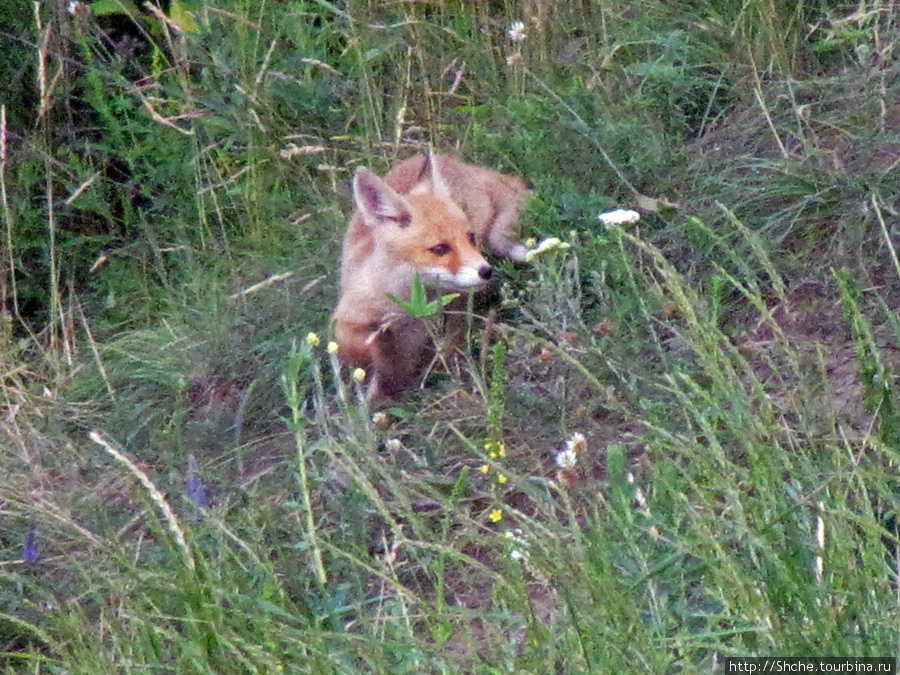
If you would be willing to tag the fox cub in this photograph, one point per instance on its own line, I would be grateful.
(428, 216)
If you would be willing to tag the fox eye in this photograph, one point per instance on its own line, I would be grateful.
(441, 249)
(472, 238)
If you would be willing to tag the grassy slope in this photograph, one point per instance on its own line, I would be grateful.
(190, 484)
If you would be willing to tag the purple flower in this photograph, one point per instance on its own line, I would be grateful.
(196, 489)
(29, 548)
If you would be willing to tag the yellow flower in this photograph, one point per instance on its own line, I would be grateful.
(484, 468)
(495, 516)
(495, 449)
(359, 374)
(332, 347)
(312, 340)
(501, 479)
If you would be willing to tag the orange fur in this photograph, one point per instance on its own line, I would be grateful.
(426, 217)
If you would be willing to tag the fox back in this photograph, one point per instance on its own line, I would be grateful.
(490, 200)
(426, 218)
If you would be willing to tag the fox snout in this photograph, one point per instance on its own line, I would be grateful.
(464, 279)
(483, 274)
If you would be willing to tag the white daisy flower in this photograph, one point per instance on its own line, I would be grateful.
(567, 459)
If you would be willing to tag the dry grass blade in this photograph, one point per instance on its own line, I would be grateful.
(158, 497)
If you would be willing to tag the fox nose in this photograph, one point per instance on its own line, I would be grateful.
(485, 272)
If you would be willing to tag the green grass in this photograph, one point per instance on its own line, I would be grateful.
(191, 483)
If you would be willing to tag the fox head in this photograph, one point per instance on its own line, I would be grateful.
(422, 231)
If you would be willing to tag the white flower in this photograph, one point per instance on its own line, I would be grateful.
(516, 554)
(381, 420)
(619, 217)
(546, 245)
(517, 32)
(517, 538)
(578, 443)
(567, 459)
(76, 8)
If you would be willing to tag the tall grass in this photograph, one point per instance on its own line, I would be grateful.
(669, 443)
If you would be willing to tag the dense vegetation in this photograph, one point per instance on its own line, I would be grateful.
(676, 441)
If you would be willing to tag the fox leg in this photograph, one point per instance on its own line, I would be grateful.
(401, 347)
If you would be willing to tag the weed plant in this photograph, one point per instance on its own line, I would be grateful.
(667, 442)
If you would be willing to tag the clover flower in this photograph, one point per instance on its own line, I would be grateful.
(359, 374)
(332, 347)
(312, 339)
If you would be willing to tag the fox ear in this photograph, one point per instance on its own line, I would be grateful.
(432, 177)
(377, 201)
